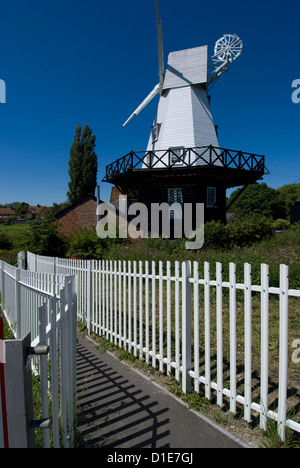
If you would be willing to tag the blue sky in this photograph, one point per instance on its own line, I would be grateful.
(72, 62)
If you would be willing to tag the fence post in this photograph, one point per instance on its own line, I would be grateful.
(161, 317)
(89, 295)
(2, 285)
(207, 329)
(283, 349)
(232, 294)
(219, 294)
(18, 382)
(43, 372)
(71, 332)
(22, 260)
(54, 286)
(248, 341)
(186, 326)
(264, 346)
(17, 304)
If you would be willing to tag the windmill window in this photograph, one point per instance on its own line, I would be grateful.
(155, 132)
(177, 155)
(211, 197)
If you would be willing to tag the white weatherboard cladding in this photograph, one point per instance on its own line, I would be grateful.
(186, 120)
(186, 67)
(204, 127)
(177, 128)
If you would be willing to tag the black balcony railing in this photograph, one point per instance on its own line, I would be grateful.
(206, 156)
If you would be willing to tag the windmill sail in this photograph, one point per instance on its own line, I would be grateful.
(158, 88)
(160, 47)
(146, 101)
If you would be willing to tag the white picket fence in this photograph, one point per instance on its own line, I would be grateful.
(45, 306)
(177, 321)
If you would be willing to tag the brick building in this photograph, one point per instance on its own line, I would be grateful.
(78, 215)
(83, 214)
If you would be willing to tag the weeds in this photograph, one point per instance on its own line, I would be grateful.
(272, 440)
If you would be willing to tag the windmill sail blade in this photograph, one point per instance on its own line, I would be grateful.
(227, 49)
(146, 101)
(160, 47)
(159, 87)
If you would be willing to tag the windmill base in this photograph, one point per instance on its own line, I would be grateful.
(186, 183)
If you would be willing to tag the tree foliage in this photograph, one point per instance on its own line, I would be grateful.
(22, 209)
(46, 239)
(83, 165)
(291, 193)
(260, 199)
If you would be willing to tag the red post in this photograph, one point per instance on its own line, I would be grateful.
(2, 387)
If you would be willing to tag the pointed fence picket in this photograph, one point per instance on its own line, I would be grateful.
(189, 324)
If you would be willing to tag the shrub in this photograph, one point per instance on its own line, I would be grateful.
(250, 229)
(169, 246)
(5, 242)
(86, 244)
(46, 239)
(281, 224)
(215, 235)
(296, 227)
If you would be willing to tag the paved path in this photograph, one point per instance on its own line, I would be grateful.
(120, 408)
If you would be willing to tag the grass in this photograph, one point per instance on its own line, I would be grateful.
(281, 249)
(7, 332)
(19, 235)
(15, 231)
(271, 439)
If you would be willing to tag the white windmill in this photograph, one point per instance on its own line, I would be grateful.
(183, 161)
(184, 118)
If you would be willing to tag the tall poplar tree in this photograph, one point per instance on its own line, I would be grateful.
(83, 165)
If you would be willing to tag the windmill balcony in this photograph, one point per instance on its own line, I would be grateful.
(234, 167)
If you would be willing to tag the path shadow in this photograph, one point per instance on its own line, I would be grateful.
(113, 411)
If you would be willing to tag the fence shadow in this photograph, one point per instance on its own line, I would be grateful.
(112, 411)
